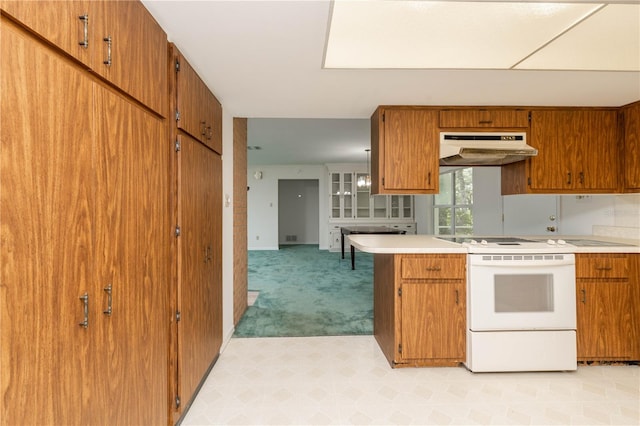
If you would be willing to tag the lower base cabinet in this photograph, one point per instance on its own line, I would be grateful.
(420, 308)
(607, 298)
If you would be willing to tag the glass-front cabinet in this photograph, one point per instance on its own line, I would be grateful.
(351, 200)
(401, 206)
(341, 195)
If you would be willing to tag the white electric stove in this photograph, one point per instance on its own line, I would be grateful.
(521, 310)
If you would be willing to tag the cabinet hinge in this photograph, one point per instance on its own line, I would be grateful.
(400, 291)
(529, 116)
(177, 401)
(177, 65)
(177, 231)
(178, 146)
(177, 115)
(178, 316)
(400, 348)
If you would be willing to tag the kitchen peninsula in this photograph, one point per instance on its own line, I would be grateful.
(421, 297)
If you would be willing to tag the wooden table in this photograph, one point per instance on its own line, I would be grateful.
(348, 230)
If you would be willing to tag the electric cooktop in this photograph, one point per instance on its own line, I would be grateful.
(491, 240)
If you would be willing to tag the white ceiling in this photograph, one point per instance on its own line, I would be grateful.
(263, 59)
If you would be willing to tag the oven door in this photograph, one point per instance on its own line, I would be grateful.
(521, 292)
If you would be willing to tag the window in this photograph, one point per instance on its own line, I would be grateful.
(452, 206)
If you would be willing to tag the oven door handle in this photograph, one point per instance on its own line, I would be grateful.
(520, 263)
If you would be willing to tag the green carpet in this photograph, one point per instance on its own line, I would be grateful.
(305, 291)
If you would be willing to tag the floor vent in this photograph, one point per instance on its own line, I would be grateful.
(291, 238)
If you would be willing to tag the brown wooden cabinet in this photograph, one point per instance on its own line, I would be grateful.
(200, 113)
(578, 152)
(118, 40)
(631, 153)
(200, 262)
(606, 310)
(85, 248)
(420, 308)
(197, 336)
(484, 118)
(405, 151)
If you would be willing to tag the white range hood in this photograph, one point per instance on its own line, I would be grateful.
(483, 148)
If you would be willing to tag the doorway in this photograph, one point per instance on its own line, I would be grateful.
(298, 211)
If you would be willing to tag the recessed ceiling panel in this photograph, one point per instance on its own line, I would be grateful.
(608, 40)
(444, 34)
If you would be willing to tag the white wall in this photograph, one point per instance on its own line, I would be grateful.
(262, 203)
(578, 213)
(227, 227)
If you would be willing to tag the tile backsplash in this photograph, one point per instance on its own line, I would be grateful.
(626, 218)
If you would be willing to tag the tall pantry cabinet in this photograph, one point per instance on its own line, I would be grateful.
(197, 334)
(84, 233)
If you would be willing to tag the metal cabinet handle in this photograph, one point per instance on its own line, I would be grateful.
(433, 269)
(429, 178)
(107, 290)
(457, 297)
(203, 128)
(85, 301)
(85, 22)
(209, 133)
(603, 268)
(581, 178)
(108, 41)
(568, 178)
(584, 295)
(485, 122)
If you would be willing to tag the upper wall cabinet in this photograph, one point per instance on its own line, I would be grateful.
(404, 151)
(118, 40)
(578, 152)
(484, 118)
(631, 156)
(199, 112)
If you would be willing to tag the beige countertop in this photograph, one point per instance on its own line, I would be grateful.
(397, 244)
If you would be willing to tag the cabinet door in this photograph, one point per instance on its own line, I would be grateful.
(132, 256)
(558, 144)
(347, 196)
(46, 205)
(631, 157)
(213, 135)
(411, 150)
(134, 59)
(577, 150)
(199, 286)
(335, 195)
(598, 168)
(433, 320)
(363, 197)
(200, 111)
(484, 118)
(63, 23)
(604, 323)
(132, 52)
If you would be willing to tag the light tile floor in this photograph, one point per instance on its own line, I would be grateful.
(347, 380)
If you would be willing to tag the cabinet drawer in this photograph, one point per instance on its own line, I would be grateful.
(446, 267)
(602, 266)
(462, 118)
